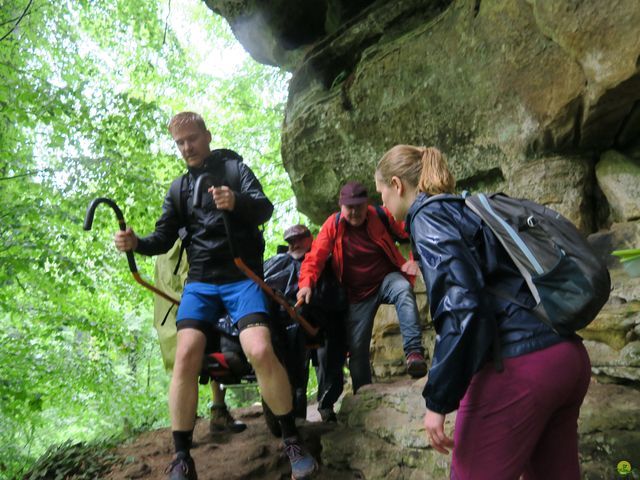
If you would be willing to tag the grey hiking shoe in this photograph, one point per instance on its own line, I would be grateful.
(303, 465)
(182, 468)
(222, 421)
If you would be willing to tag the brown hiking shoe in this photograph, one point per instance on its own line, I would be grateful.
(416, 365)
(222, 421)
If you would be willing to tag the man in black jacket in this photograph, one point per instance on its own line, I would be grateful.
(326, 310)
(215, 285)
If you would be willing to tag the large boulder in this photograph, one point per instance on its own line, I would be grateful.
(619, 179)
(562, 183)
(381, 434)
(279, 32)
(495, 84)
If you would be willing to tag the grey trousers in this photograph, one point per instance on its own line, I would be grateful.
(395, 290)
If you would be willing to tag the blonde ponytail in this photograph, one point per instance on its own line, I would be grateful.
(435, 176)
(421, 167)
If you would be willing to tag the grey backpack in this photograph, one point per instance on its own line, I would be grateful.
(567, 279)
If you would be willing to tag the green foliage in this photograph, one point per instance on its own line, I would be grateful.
(86, 92)
(81, 461)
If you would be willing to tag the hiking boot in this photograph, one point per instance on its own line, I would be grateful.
(182, 468)
(328, 415)
(416, 365)
(222, 421)
(303, 465)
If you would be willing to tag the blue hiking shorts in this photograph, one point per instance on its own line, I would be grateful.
(207, 302)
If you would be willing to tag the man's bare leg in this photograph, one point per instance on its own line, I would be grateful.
(183, 391)
(276, 391)
(272, 377)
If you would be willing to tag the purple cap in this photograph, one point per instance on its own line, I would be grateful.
(296, 231)
(353, 193)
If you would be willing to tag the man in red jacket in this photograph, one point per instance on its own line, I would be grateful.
(369, 265)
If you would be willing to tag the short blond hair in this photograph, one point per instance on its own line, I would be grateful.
(422, 167)
(186, 118)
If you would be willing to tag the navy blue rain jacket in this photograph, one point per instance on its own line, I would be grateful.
(459, 258)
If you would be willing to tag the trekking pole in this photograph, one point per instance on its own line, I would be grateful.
(276, 295)
(88, 222)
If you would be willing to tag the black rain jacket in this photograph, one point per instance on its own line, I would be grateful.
(329, 299)
(208, 251)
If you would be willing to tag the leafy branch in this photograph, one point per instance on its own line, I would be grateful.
(29, 173)
(17, 22)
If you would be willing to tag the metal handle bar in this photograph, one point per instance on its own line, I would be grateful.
(88, 222)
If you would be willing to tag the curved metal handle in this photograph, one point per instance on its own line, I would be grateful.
(88, 223)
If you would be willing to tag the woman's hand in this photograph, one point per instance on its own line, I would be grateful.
(434, 426)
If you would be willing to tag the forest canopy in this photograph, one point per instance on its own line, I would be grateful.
(87, 90)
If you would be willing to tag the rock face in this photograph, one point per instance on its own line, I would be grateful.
(619, 177)
(381, 434)
(537, 98)
(494, 84)
(279, 32)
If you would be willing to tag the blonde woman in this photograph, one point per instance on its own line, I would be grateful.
(520, 419)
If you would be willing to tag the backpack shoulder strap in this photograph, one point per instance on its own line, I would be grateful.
(232, 161)
(232, 173)
(179, 192)
(227, 153)
(484, 206)
(384, 218)
(174, 193)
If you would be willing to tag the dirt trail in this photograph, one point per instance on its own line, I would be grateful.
(252, 454)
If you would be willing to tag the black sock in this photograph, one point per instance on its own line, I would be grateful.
(288, 424)
(182, 441)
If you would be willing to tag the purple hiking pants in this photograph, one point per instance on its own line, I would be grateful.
(523, 421)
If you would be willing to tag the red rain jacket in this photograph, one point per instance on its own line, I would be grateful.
(329, 242)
